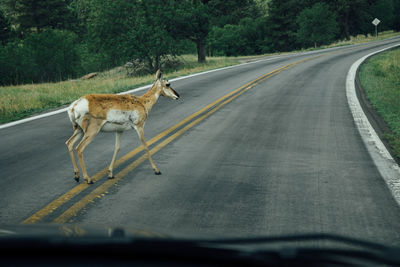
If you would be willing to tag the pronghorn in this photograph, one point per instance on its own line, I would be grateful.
(93, 113)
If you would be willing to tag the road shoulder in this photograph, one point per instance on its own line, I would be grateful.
(385, 163)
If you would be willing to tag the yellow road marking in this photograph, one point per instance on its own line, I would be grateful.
(79, 188)
(73, 211)
(103, 188)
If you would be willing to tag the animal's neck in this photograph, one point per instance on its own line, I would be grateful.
(150, 97)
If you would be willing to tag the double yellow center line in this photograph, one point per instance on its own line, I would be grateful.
(188, 123)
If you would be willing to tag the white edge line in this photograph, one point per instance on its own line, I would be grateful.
(51, 113)
(48, 114)
(386, 165)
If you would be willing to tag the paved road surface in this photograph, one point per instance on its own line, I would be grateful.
(282, 157)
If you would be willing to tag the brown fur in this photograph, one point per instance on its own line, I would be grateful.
(99, 106)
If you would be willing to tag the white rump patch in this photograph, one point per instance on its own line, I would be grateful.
(77, 110)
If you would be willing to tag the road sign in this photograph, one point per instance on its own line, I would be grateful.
(376, 22)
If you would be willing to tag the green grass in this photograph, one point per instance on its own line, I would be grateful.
(380, 78)
(21, 101)
(359, 39)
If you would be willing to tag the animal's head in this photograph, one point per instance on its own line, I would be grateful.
(166, 89)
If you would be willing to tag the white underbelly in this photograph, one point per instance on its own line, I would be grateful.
(122, 116)
(115, 127)
(120, 120)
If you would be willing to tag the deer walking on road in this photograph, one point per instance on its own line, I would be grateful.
(93, 113)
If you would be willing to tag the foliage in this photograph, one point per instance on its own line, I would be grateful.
(380, 78)
(205, 15)
(141, 31)
(150, 39)
(32, 15)
(55, 54)
(246, 38)
(396, 18)
(23, 100)
(198, 13)
(48, 56)
(51, 40)
(383, 9)
(315, 30)
(105, 31)
(5, 30)
(226, 41)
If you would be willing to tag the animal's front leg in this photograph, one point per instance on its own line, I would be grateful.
(140, 132)
(117, 145)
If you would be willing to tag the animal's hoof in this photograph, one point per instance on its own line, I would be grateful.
(111, 177)
(158, 173)
(76, 176)
(88, 180)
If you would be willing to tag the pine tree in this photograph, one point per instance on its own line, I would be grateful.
(282, 23)
(351, 15)
(312, 29)
(33, 15)
(5, 29)
(203, 14)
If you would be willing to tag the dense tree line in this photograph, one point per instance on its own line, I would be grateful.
(51, 40)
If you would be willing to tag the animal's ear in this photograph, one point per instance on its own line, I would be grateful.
(158, 74)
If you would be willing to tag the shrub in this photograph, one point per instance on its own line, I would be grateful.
(313, 30)
(55, 54)
(49, 56)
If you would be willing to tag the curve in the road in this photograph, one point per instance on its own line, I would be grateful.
(387, 166)
(194, 119)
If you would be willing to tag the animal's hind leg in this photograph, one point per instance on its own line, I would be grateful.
(92, 129)
(70, 145)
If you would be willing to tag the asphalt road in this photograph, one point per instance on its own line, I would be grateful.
(282, 157)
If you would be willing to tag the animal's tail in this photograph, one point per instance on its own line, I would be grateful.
(71, 114)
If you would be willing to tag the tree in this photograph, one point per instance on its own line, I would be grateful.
(38, 15)
(282, 24)
(122, 30)
(317, 25)
(197, 12)
(80, 12)
(350, 15)
(226, 41)
(150, 39)
(204, 14)
(384, 10)
(396, 19)
(107, 25)
(48, 56)
(54, 53)
(243, 39)
(5, 29)
(224, 12)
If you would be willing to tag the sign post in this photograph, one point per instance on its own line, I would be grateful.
(376, 22)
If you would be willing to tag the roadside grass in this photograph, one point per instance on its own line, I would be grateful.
(17, 102)
(359, 39)
(380, 78)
